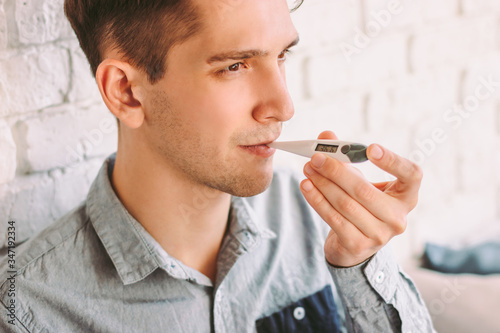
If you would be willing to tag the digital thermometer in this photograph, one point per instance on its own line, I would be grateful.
(347, 152)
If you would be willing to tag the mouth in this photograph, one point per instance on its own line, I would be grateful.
(260, 149)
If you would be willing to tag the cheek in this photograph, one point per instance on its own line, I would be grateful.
(219, 110)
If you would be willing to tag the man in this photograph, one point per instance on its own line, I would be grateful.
(167, 240)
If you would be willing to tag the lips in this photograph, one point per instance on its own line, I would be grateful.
(260, 150)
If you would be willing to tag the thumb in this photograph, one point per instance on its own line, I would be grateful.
(327, 135)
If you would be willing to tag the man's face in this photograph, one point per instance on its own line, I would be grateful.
(224, 96)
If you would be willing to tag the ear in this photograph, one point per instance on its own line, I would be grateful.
(116, 81)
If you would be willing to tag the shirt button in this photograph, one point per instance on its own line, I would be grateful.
(380, 277)
(299, 313)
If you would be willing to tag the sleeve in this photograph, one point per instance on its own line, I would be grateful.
(10, 324)
(378, 296)
(9, 317)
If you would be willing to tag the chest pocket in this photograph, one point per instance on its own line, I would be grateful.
(315, 313)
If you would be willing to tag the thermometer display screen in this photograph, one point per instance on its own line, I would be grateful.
(327, 148)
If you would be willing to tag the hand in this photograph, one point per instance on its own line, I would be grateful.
(363, 216)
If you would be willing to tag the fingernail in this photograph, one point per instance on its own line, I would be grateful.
(307, 186)
(376, 152)
(318, 160)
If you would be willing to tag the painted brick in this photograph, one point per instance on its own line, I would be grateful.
(482, 78)
(434, 157)
(99, 135)
(392, 14)
(424, 96)
(3, 28)
(43, 140)
(47, 197)
(7, 154)
(480, 6)
(341, 113)
(4, 98)
(35, 79)
(72, 185)
(453, 43)
(83, 86)
(321, 23)
(27, 201)
(64, 136)
(477, 146)
(295, 77)
(457, 224)
(443, 9)
(497, 123)
(383, 122)
(384, 58)
(39, 22)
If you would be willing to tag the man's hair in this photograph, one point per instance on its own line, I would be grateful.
(143, 31)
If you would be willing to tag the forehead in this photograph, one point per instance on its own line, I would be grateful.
(244, 23)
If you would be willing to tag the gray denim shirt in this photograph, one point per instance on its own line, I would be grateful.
(98, 270)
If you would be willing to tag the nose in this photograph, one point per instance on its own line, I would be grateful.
(274, 101)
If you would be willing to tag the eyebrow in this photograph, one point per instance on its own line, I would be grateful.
(245, 54)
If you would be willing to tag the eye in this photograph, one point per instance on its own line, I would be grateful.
(283, 55)
(234, 67)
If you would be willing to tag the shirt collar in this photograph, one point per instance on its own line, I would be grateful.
(113, 224)
(134, 253)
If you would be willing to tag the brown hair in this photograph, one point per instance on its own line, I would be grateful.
(142, 30)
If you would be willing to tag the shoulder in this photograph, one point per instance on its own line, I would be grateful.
(41, 262)
(67, 244)
(48, 239)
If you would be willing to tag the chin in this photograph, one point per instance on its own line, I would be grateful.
(255, 188)
(249, 184)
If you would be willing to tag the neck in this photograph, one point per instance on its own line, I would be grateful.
(186, 218)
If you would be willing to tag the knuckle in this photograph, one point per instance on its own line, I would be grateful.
(412, 202)
(333, 168)
(398, 224)
(366, 192)
(412, 171)
(314, 197)
(392, 161)
(356, 246)
(380, 239)
(351, 245)
(348, 206)
(334, 218)
(317, 200)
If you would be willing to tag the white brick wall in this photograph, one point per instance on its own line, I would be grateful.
(7, 154)
(54, 129)
(396, 72)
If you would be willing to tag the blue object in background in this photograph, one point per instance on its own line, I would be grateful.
(481, 259)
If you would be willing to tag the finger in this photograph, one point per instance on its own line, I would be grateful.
(334, 219)
(381, 186)
(407, 173)
(346, 206)
(327, 135)
(361, 190)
